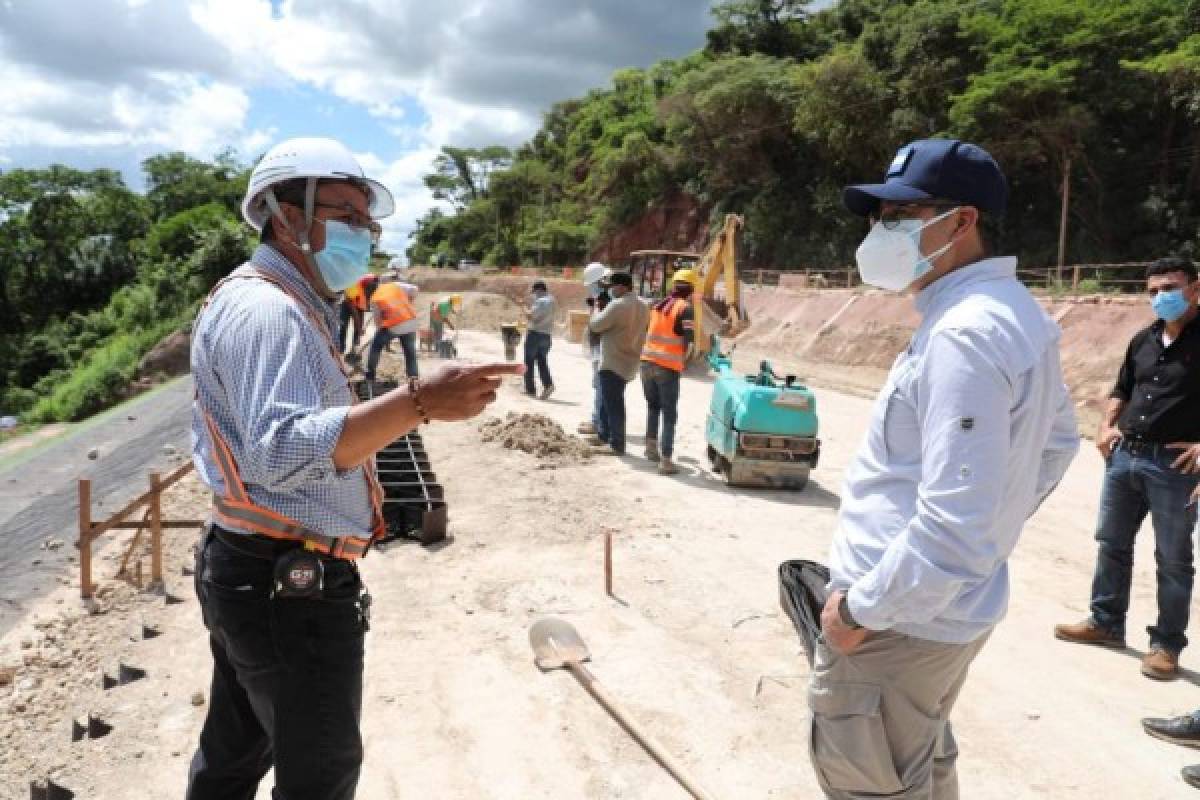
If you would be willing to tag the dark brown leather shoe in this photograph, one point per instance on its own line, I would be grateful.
(1183, 730)
(1088, 632)
(1161, 665)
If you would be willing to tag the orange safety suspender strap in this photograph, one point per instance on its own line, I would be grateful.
(239, 511)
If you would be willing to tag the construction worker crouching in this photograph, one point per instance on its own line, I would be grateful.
(290, 459)
(355, 302)
(670, 342)
(395, 318)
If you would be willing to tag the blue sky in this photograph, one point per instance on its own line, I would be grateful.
(107, 83)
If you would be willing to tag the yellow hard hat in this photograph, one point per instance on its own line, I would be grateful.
(687, 276)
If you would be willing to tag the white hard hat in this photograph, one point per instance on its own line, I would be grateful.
(309, 158)
(593, 272)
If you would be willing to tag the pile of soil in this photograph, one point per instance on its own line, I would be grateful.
(487, 312)
(168, 358)
(535, 434)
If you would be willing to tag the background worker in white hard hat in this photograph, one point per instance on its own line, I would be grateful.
(594, 276)
(289, 457)
(670, 342)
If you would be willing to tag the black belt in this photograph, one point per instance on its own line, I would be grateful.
(1140, 447)
(259, 546)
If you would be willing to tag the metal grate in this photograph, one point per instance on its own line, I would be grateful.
(414, 503)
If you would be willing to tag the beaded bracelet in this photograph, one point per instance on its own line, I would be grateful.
(414, 389)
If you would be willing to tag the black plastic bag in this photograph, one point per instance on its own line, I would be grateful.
(802, 595)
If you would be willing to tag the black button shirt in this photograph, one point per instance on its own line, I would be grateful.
(1161, 386)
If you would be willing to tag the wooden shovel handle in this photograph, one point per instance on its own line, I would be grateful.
(651, 746)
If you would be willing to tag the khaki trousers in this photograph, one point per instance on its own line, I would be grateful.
(880, 717)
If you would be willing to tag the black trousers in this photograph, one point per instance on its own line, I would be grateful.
(287, 680)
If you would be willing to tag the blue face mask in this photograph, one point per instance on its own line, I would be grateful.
(346, 254)
(1170, 305)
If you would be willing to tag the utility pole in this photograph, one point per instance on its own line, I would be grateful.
(541, 224)
(1062, 225)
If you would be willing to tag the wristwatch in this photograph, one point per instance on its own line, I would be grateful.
(845, 615)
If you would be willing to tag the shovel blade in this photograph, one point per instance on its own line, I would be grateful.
(556, 643)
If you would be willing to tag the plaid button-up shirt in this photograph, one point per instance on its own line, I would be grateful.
(279, 398)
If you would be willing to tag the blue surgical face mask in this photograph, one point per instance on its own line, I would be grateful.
(1170, 305)
(346, 255)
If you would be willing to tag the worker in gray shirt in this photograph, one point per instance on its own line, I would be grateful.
(622, 328)
(538, 339)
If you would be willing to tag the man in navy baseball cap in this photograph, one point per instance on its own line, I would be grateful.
(973, 430)
(935, 169)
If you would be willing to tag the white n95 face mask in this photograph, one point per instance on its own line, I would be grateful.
(890, 257)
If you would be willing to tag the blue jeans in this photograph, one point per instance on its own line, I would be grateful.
(661, 387)
(598, 421)
(408, 341)
(612, 411)
(1135, 485)
(537, 348)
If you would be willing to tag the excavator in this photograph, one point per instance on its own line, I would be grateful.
(761, 429)
(721, 312)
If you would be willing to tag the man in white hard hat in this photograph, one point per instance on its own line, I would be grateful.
(289, 457)
(595, 278)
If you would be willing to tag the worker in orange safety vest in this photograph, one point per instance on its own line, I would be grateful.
(355, 302)
(395, 318)
(670, 342)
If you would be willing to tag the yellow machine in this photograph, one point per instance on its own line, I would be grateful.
(718, 296)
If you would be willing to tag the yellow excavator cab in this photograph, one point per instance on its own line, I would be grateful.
(717, 299)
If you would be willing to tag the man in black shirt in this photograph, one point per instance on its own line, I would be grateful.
(1150, 439)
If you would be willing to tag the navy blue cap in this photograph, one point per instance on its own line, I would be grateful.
(928, 169)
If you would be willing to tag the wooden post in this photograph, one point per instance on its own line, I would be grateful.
(156, 573)
(1075, 278)
(608, 564)
(1062, 223)
(85, 538)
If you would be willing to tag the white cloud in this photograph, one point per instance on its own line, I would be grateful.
(131, 77)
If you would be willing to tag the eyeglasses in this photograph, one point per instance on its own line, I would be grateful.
(354, 218)
(892, 219)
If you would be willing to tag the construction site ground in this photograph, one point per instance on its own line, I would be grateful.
(693, 643)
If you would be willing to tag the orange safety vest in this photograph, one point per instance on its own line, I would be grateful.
(237, 510)
(663, 346)
(395, 307)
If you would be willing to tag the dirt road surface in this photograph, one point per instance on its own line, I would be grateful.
(695, 644)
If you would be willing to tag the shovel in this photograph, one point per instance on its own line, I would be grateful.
(556, 644)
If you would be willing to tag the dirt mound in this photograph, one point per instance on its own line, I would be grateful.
(170, 357)
(487, 312)
(535, 434)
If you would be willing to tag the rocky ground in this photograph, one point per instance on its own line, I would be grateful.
(693, 642)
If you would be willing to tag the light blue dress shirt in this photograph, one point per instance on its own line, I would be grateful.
(971, 432)
(279, 399)
(541, 314)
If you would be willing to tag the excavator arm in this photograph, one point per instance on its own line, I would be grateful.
(719, 262)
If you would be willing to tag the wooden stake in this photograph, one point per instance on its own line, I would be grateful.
(608, 563)
(85, 538)
(1062, 222)
(156, 554)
